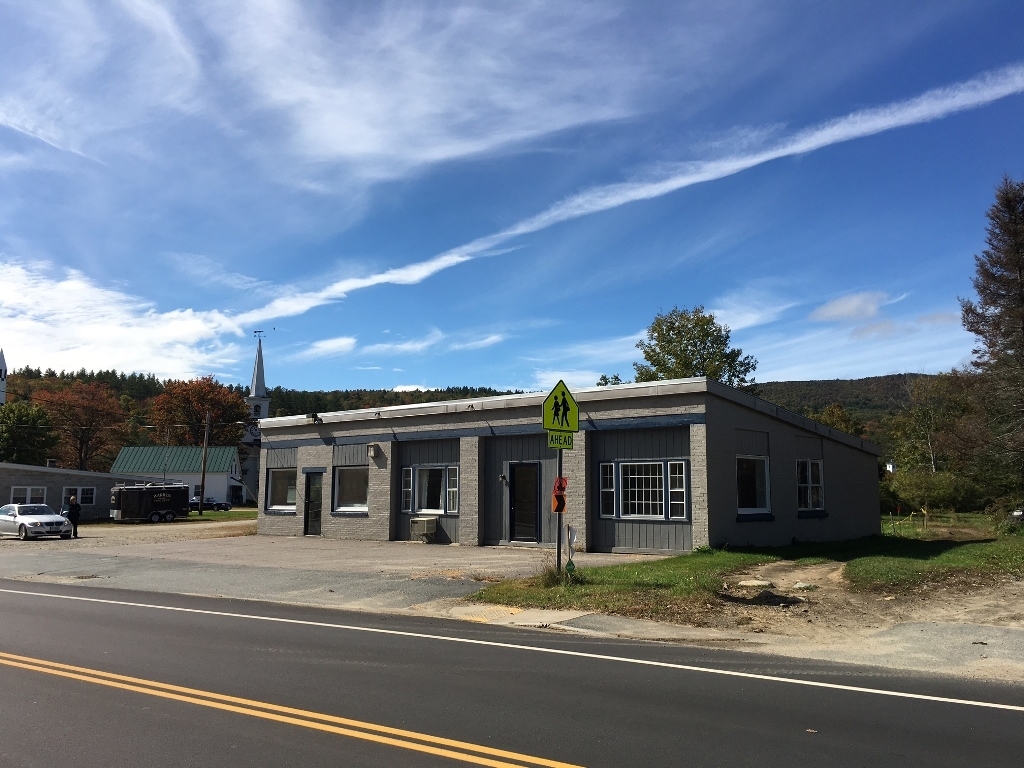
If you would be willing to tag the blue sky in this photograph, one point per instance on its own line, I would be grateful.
(438, 194)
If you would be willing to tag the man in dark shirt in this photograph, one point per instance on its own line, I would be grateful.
(74, 510)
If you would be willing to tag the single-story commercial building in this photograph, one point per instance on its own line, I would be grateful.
(26, 484)
(184, 464)
(657, 467)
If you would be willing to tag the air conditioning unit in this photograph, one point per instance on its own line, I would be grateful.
(423, 527)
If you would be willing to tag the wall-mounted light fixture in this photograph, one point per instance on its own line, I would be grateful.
(371, 450)
(502, 479)
(312, 418)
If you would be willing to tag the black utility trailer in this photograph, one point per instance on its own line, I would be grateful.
(154, 502)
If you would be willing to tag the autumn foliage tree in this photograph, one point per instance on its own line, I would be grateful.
(180, 412)
(90, 421)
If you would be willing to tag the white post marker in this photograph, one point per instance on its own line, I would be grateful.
(561, 419)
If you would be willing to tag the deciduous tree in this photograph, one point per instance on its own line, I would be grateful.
(180, 412)
(26, 435)
(90, 421)
(684, 343)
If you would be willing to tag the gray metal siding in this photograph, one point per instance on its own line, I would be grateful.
(447, 528)
(751, 443)
(624, 444)
(499, 452)
(642, 535)
(808, 447)
(282, 458)
(350, 455)
(428, 452)
(638, 444)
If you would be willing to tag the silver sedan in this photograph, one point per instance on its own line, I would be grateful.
(30, 521)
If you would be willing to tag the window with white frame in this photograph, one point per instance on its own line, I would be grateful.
(643, 489)
(752, 490)
(607, 490)
(196, 490)
(677, 489)
(28, 495)
(452, 502)
(810, 488)
(282, 488)
(351, 488)
(647, 489)
(85, 496)
(407, 489)
(430, 490)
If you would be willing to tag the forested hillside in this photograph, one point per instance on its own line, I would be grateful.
(866, 399)
(291, 402)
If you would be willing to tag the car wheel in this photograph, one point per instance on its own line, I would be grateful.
(65, 535)
(23, 533)
(155, 517)
(169, 517)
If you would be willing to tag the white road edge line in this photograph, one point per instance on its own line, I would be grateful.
(536, 649)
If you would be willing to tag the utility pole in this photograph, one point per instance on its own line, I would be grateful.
(206, 448)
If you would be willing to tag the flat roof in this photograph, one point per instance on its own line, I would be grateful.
(697, 385)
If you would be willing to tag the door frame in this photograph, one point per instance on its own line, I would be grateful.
(538, 467)
(306, 505)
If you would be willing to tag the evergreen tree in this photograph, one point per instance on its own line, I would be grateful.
(997, 319)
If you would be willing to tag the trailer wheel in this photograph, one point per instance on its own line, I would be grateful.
(155, 517)
(169, 517)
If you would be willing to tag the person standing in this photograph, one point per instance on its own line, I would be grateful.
(74, 511)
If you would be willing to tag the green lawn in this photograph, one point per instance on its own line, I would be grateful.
(658, 589)
(671, 588)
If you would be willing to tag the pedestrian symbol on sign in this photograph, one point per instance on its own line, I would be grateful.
(561, 414)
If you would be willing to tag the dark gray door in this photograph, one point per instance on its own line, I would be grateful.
(314, 503)
(524, 502)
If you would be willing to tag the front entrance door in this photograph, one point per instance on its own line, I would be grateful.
(314, 503)
(524, 502)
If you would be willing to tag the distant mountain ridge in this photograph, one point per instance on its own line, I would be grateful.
(867, 399)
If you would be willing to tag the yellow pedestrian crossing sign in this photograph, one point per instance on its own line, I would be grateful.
(561, 414)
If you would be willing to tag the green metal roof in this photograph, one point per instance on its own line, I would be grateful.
(185, 459)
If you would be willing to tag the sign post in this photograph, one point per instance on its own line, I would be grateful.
(561, 419)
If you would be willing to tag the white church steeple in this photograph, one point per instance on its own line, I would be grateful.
(258, 401)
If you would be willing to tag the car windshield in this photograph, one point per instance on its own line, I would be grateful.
(35, 509)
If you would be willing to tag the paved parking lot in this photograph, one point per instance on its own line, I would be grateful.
(219, 559)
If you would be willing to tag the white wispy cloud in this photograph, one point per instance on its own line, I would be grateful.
(755, 304)
(69, 322)
(339, 345)
(410, 346)
(853, 307)
(208, 271)
(486, 341)
(410, 388)
(929, 106)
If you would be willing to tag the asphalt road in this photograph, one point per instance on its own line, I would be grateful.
(219, 684)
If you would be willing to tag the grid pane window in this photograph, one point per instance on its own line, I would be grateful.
(607, 490)
(351, 487)
(453, 490)
(677, 489)
(282, 488)
(407, 489)
(810, 490)
(643, 490)
(28, 495)
(752, 483)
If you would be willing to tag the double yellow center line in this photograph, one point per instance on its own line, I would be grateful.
(343, 726)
